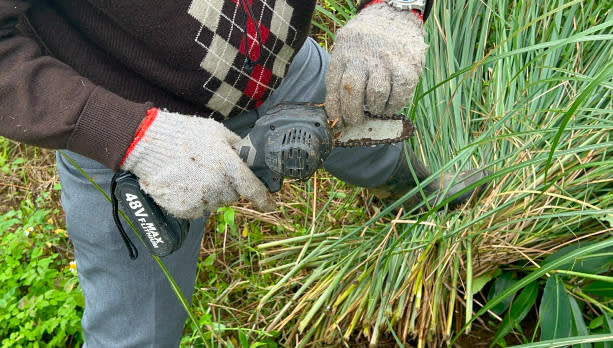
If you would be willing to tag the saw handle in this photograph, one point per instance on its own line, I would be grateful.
(291, 140)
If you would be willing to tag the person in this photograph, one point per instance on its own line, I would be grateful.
(164, 89)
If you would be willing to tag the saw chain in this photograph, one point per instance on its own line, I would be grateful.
(408, 130)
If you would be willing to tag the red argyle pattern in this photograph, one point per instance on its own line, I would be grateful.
(248, 46)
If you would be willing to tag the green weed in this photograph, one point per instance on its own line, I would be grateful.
(40, 299)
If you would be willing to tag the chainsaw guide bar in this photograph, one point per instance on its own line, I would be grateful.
(375, 130)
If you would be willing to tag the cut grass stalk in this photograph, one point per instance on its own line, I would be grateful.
(468, 292)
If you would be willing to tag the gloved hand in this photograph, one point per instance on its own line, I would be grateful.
(188, 165)
(376, 63)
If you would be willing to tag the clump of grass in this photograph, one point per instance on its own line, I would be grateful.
(329, 16)
(234, 274)
(522, 89)
(27, 172)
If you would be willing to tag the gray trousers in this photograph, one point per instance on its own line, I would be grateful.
(130, 303)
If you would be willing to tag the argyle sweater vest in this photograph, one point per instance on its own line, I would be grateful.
(212, 58)
(248, 47)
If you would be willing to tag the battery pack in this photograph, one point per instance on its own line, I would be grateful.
(161, 234)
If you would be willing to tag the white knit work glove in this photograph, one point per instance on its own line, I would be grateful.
(376, 63)
(188, 165)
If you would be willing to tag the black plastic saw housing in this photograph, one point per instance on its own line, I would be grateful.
(290, 140)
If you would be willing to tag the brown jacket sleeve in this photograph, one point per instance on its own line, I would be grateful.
(46, 103)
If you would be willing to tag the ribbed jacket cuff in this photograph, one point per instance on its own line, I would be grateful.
(106, 127)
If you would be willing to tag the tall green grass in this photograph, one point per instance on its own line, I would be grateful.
(525, 90)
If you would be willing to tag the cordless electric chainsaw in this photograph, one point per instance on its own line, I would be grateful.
(292, 140)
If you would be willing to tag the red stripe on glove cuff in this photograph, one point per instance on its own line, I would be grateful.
(417, 13)
(140, 133)
(374, 2)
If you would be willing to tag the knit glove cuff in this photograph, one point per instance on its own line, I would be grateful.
(150, 153)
